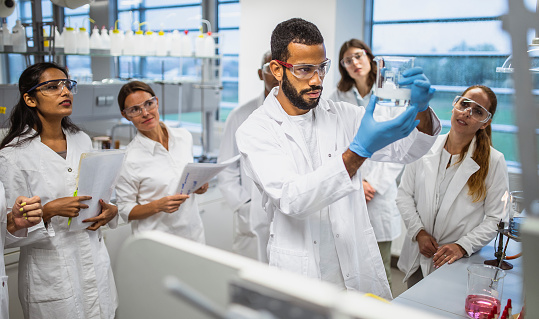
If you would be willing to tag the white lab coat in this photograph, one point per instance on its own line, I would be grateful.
(382, 176)
(277, 159)
(7, 240)
(459, 220)
(151, 172)
(251, 224)
(62, 274)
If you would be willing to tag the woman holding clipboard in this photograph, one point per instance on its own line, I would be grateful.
(147, 190)
(62, 273)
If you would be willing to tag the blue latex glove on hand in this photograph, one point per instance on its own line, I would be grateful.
(421, 90)
(372, 136)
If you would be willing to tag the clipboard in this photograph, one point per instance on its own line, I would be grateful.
(97, 177)
(195, 175)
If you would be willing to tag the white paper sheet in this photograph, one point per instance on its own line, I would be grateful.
(98, 174)
(197, 174)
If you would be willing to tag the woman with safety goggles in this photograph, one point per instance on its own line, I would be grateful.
(358, 74)
(147, 190)
(450, 199)
(62, 273)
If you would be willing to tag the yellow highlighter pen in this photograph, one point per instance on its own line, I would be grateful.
(69, 220)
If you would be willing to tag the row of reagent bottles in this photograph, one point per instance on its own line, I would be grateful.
(17, 39)
(175, 43)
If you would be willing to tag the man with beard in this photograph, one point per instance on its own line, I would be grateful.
(303, 153)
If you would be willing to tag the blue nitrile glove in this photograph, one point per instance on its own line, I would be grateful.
(372, 136)
(421, 90)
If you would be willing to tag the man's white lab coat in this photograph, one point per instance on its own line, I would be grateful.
(277, 159)
(251, 224)
(62, 274)
(382, 176)
(459, 220)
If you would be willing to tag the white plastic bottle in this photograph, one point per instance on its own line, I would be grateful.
(58, 39)
(175, 40)
(129, 43)
(199, 44)
(6, 33)
(161, 44)
(150, 42)
(95, 39)
(209, 45)
(186, 46)
(70, 40)
(83, 41)
(116, 42)
(105, 39)
(139, 43)
(19, 37)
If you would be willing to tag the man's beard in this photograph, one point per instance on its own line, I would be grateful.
(297, 98)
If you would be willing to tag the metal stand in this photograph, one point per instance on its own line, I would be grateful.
(499, 252)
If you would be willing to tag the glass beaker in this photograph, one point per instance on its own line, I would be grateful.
(485, 287)
(516, 217)
(388, 73)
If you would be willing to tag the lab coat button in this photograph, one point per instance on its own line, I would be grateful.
(337, 236)
(347, 275)
(69, 169)
(329, 155)
(315, 242)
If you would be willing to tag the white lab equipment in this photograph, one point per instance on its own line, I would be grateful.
(150, 40)
(129, 43)
(139, 43)
(95, 39)
(160, 267)
(199, 44)
(58, 38)
(105, 38)
(209, 45)
(186, 48)
(70, 40)
(162, 46)
(116, 42)
(6, 36)
(83, 41)
(388, 74)
(175, 40)
(19, 37)
(7, 7)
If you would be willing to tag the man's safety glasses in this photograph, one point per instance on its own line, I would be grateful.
(136, 110)
(306, 71)
(350, 60)
(476, 110)
(55, 87)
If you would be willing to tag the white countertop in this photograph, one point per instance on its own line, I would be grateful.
(444, 291)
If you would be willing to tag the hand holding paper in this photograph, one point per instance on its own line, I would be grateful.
(65, 206)
(108, 212)
(196, 174)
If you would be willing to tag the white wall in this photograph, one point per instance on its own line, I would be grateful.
(338, 20)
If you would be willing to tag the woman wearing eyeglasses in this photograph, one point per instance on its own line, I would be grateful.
(358, 74)
(62, 274)
(147, 189)
(451, 198)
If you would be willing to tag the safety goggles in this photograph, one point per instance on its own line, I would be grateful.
(55, 87)
(307, 71)
(350, 60)
(476, 110)
(136, 110)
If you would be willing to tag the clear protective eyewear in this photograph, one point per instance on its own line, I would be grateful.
(307, 71)
(355, 57)
(136, 110)
(266, 68)
(477, 111)
(55, 87)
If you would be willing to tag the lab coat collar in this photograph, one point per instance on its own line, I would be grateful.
(324, 115)
(37, 155)
(151, 145)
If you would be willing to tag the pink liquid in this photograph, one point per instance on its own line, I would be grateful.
(480, 306)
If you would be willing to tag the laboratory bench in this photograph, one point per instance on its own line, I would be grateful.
(444, 291)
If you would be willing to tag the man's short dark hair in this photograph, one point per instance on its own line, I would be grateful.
(295, 30)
